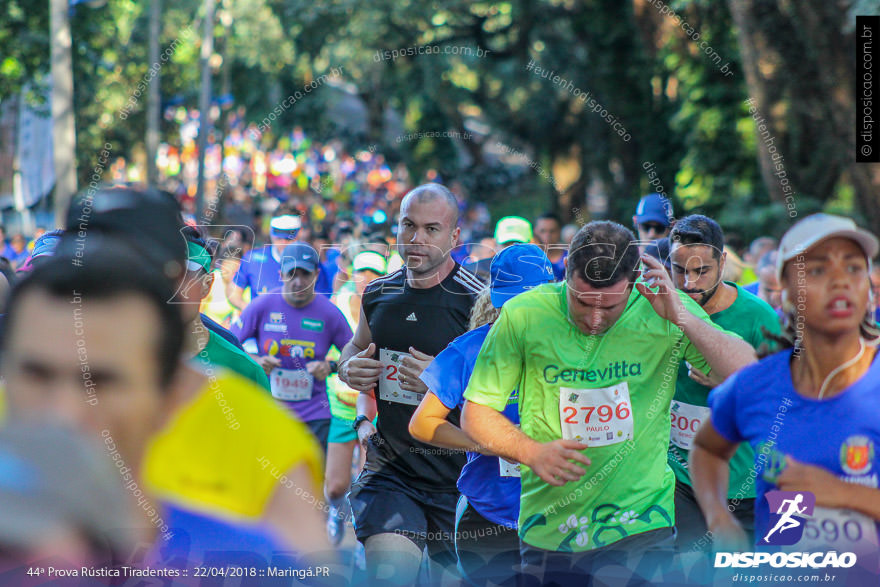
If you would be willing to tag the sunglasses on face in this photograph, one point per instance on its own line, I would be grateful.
(652, 227)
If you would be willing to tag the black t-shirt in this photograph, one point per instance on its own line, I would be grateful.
(428, 320)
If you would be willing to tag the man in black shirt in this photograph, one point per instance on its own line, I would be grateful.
(405, 499)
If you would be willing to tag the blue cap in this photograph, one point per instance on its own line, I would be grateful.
(516, 269)
(654, 208)
(298, 256)
(45, 245)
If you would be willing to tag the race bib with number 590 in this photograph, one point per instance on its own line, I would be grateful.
(839, 529)
(597, 417)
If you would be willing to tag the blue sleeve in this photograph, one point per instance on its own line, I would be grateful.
(241, 276)
(323, 285)
(443, 377)
(722, 400)
(246, 325)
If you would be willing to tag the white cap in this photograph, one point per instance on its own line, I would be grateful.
(286, 222)
(369, 260)
(818, 227)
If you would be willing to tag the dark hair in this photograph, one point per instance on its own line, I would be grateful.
(602, 253)
(697, 229)
(7, 270)
(105, 268)
(147, 219)
(550, 216)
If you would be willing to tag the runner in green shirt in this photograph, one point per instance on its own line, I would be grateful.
(203, 345)
(697, 261)
(595, 360)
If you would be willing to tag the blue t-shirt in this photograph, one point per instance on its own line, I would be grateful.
(262, 273)
(559, 267)
(195, 538)
(220, 331)
(760, 405)
(496, 498)
(752, 288)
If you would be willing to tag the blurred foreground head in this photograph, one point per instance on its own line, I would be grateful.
(91, 340)
(61, 500)
(148, 220)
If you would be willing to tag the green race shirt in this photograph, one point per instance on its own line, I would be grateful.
(744, 317)
(613, 390)
(223, 353)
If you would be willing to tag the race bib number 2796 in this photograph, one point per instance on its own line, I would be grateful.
(597, 417)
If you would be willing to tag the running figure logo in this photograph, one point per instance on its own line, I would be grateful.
(787, 512)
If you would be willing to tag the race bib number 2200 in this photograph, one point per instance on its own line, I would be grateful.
(597, 417)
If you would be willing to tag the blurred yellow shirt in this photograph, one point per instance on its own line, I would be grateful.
(228, 451)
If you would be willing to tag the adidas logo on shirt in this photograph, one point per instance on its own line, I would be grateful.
(412, 317)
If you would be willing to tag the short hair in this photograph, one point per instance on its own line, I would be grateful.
(602, 253)
(550, 216)
(107, 269)
(697, 229)
(431, 191)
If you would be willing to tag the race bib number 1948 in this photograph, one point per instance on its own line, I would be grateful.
(597, 417)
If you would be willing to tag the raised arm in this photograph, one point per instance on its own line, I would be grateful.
(725, 354)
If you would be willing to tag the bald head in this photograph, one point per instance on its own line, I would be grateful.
(433, 191)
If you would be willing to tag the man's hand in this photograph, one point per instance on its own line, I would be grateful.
(361, 372)
(365, 431)
(320, 370)
(664, 300)
(551, 461)
(798, 476)
(711, 380)
(268, 362)
(729, 536)
(411, 368)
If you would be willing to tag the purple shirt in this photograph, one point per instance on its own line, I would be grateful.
(296, 336)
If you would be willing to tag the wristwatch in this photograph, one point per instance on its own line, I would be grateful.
(357, 422)
(334, 366)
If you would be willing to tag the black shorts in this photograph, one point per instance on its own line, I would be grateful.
(693, 535)
(488, 553)
(320, 430)
(381, 504)
(631, 561)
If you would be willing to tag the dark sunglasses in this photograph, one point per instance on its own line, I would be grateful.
(652, 226)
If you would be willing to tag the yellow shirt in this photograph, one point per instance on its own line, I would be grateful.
(228, 451)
